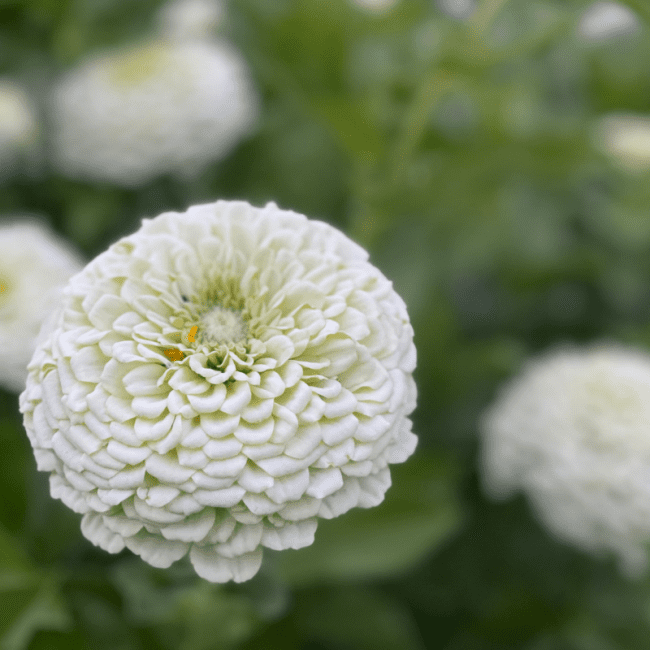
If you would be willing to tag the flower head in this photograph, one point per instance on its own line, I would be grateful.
(34, 266)
(375, 6)
(572, 432)
(18, 125)
(158, 108)
(219, 380)
(626, 139)
(602, 21)
(190, 19)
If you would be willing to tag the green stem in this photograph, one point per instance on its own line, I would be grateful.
(427, 95)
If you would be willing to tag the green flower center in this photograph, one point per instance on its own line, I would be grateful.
(137, 65)
(220, 325)
(5, 290)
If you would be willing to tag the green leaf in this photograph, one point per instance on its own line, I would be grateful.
(29, 601)
(187, 613)
(420, 511)
(214, 618)
(362, 619)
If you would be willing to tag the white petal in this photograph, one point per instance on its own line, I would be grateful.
(343, 404)
(149, 406)
(336, 431)
(215, 568)
(127, 454)
(146, 429)
(175, 435)
(158, 496)
(303, 509)
(87, 364)
(258, 504)
(142, 381)
(114, 497)
(156, 551)
(224, 498)
(130, 478)
(257, 410)
(245, 540)
(153, 514)
(373, 488)
(341, 501)
(254, 434)
(210, 401)
(191, 529)
(307, 438)
(254, 479)
(167, 469)
(124, 526)
(82, 438)
(225, 468)
(289, 488)
(294, 535)
(283, 465)
(218, 425)
(94, 529)
(324, 482)
(239, 395)
(223, 528)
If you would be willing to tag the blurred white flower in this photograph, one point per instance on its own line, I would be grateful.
(375, 6)
(18, 126)
(605, 20)
(459, 9)
(573, 432)
(163, 107)
(626, 138)
(190, 19)
(216, 382)
(35, 264)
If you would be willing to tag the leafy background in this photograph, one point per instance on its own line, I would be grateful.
(457, 152)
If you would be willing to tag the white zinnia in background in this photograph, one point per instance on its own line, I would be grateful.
(18, 127)
(573, 432)
(216, 382)
(602, 21)
(162, 107)
(375, 6)
(625, 138)
(34, 266)
(190, 19)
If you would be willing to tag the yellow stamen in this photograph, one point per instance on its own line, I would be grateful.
(174, 355)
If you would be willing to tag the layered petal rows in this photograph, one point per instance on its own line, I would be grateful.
(572, 432)
(219, 380)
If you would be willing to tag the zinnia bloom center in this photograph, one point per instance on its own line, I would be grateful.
(5, 289)
(221, 325)
(137, 65)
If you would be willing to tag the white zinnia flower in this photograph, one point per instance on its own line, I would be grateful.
(573, 432)
(605, 20)
(459, 9)
(376, 6)
(163, 107)
(216, 382)
(626, 138)
(190, 19)
(34, 266)
(18, 126)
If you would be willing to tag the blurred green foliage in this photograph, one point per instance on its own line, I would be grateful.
(457, 152)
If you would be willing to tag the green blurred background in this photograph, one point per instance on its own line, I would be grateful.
(460, 152)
